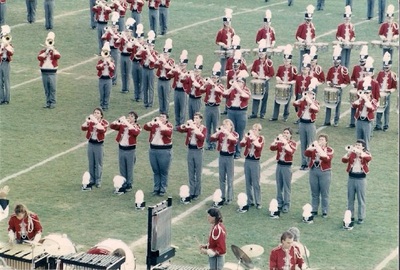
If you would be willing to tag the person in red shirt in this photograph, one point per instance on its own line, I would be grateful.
(224, 38)
(266, 32)
(305, 34)
(286, 255)
(389, 31)
(6, 52)
(24, 225)
(216, 246)
(320, 155)
(136, 7)
(345, 34)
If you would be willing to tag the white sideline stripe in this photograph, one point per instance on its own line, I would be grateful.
(55, 17)
(391, 256)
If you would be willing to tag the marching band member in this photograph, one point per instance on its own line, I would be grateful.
(305, 253)
(48, 61)
(164, 65)
(137, 69)
(136, 7)
(128, 130)
(262, 69)
(24, 225)
(226, 139)
(233, 67)
(6, 52)
(195, 136)
(286, 74)
(213, 90)
(320, 155)
(253, 143)
(105, 71)
(31, 6)
(357, 75)
(163, 12)
(308, 107)
(120, 6)
(148, 57)
(303, 80)
(345, 34)
(369, 72)
(49, 14)
(160, 153)
(286, 255)
(95, 126)
(153, 14)
(267, 32)
(224, 37)
(179, 73)
(389, 31)
(237, 97)
(357, 159)
(387, 80)
(125, 45)
(305, 33)
(111, 35)
(316, 70)
(365, 106)
(235, 49)
(102, 14)
(285, 148)
(216, 246)
(192, 86)
(338, 77)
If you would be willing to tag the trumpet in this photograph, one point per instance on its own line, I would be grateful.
(6, 39)
(92, 118)
(349, 148)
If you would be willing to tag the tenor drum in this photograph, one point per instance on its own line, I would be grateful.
(257, 88)
(282, 93)
(118, 248)
(353, 96)
(382, 102)
(223, 53)
(331, 97)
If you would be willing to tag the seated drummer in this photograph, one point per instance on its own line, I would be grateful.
(24, 225)
(262, 69)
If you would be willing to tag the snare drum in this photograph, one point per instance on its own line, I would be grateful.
(353, 96)
(358, 44)
(331, 97)
(321, 46)
(376, 43)
(282, 93)
(257, 88)
(118, 248)
(382, 102)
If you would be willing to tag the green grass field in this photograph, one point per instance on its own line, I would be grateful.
(43, 152)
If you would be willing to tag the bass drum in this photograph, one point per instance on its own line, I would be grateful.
(117, 248)
(57, 244)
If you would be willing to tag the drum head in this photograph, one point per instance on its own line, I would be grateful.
(58, 244)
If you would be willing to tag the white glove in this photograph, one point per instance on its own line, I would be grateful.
(11, 236)
(211, 253)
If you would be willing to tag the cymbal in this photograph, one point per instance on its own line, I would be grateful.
(253, 250)
(242, 257)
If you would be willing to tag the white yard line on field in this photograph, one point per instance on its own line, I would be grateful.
(391, 256)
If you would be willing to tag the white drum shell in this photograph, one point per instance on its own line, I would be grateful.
(282, 93)
(331, 97)
(382, 102)
(257, 88)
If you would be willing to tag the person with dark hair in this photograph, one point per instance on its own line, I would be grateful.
(285, 148)
(195, 137)
(128, 130)
(305, 253)
(160, 153)
(286, 255)
(357, 159)
(95, 126)
(216, 246)
(24, 225)
(320, 155)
